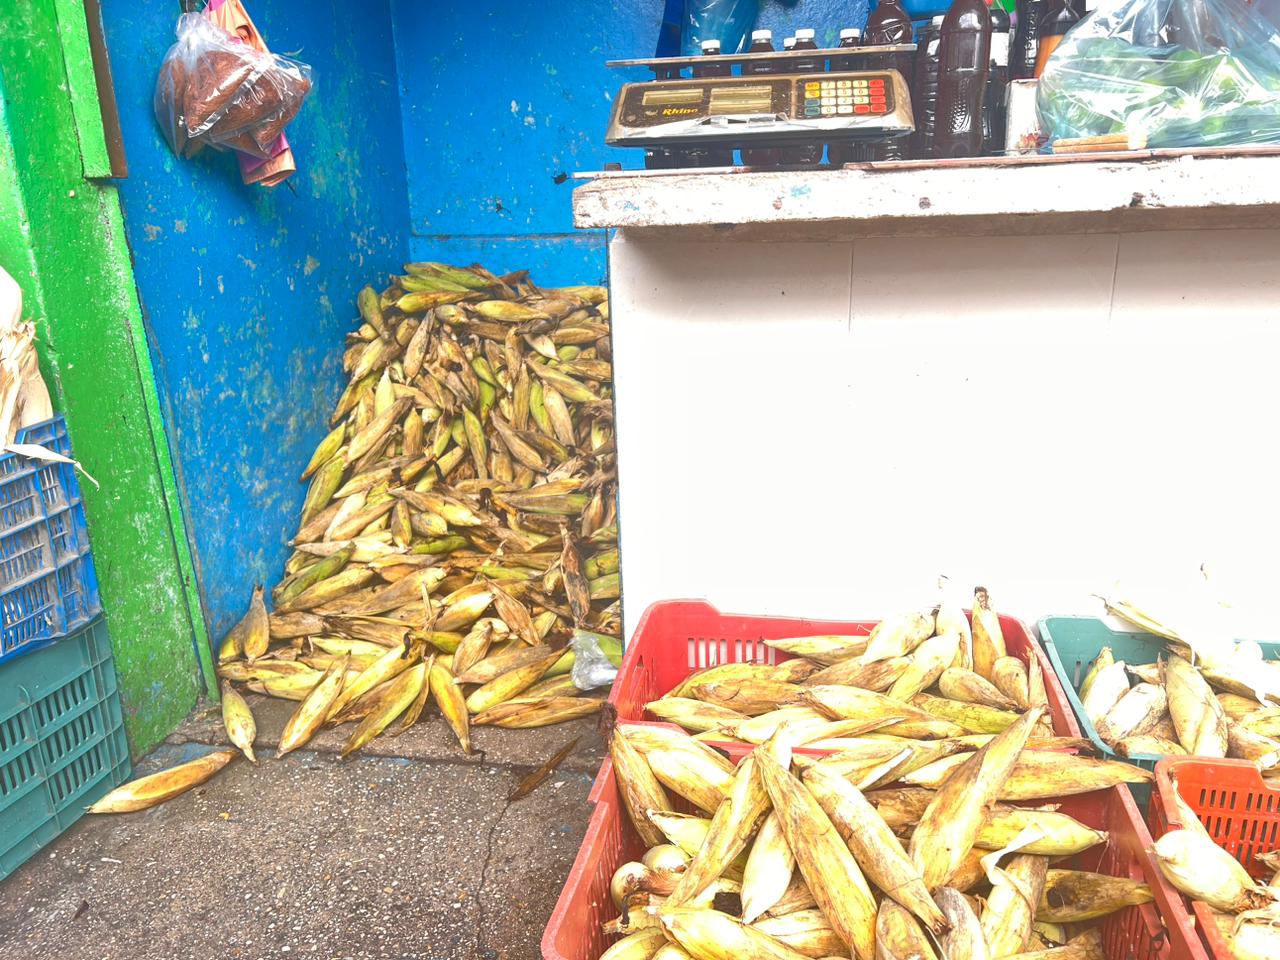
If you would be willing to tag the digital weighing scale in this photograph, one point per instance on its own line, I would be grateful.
(774, 108)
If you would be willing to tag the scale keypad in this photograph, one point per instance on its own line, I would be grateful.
(850, 96)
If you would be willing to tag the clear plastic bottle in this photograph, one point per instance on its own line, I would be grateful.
(761, 42)
(809, 154)
(924, 88)
(964, 63)
(994, 111)
(709, 155)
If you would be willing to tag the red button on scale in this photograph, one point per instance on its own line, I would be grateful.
(879, 82)
(862, 108)
(881, 108)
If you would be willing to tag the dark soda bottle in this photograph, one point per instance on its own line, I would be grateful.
(1056, 18)
(845, 151)
(924, 88)
(709, 155)
(850, 37)
(761, 42)
(1190, 25)
(964, 63)
(809, 154)
(806, 39)
(659, 158)
(888, 23)
(994, 109)
(1025, 39)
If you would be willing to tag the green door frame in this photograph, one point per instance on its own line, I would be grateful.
(62, 238)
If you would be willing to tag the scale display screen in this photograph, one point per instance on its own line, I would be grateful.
(672, 98)
(748, 100)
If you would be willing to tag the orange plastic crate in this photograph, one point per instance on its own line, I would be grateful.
(1156, 931)
(1237, 807)
(675, 638)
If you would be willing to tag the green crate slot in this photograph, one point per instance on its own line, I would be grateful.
(62, 741)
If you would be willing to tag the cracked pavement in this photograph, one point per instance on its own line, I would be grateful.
(407, 851)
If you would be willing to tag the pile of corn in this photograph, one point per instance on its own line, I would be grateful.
(1184, 704)
(790, 856)
(910, 702)
(900, 842)
(460, 523)
(1247, 913)
(460, 527)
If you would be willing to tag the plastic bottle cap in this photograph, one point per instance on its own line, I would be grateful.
(710, 45)
(806, 34)
(761, 34)
(849, 32)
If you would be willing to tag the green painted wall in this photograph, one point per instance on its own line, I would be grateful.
(62, 238)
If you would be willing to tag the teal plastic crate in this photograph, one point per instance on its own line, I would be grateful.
(1073, 643)
(62, 742)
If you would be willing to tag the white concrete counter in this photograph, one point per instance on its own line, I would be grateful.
(817, 419)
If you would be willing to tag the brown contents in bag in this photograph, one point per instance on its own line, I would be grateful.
(214, 88)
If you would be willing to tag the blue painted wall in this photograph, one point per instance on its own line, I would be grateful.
(502, 100)
(248, 292)
(436, 131)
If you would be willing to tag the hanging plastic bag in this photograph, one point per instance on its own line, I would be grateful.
(729, 21)
(216, 90)
(1166, 73)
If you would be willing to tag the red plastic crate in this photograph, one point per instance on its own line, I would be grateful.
(675, 638)
(1237, 807)
(1155, 931)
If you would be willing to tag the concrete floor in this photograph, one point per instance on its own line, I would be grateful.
(406, 850)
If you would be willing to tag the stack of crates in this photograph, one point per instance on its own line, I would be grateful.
(62, 741)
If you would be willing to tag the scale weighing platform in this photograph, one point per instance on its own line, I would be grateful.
(781, 107)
